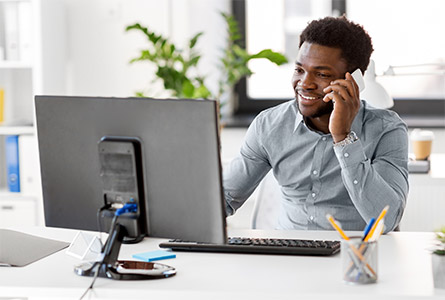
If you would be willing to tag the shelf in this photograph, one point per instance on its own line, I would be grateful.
(16, 130)
(6, 195)
(14, 64)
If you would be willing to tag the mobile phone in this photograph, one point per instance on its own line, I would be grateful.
(358, 77)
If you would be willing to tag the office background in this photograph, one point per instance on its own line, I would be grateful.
(80, 47)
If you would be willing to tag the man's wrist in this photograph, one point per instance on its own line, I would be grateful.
(350, 138)
(339, 137)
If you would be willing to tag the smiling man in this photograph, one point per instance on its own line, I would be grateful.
(329, 151)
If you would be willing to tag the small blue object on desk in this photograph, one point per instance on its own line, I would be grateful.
(154, 255)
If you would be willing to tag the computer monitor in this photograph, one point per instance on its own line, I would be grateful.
(180, 162)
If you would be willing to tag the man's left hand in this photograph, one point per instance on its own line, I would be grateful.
(346, 98)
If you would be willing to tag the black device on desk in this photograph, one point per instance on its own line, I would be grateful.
(259, 246)
(180, 165)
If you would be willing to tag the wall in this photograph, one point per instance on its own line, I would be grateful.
(99, 49)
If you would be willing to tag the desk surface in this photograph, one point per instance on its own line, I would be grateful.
(404, 270)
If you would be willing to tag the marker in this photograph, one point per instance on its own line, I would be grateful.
(381, 216)
(337, 227)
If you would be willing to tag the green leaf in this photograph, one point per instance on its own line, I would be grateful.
(201, 92)
(194, 61)
(241, 53)
(194, 40)
(188, 89)
(270, 55)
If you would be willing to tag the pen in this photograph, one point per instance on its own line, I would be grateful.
(336, 227)
(368, 228)
(381, 216)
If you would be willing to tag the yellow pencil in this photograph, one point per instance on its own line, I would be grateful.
(381, 216)
(336, 227)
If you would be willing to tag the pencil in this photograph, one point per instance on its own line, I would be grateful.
(336, 227)
(381, 216)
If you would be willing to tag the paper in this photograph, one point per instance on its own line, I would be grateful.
(154, 255)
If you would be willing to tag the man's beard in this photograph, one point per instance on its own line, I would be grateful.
(324, 110)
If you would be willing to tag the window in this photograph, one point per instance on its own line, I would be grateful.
(405, 35)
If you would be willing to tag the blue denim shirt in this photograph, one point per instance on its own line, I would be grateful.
(352, 182)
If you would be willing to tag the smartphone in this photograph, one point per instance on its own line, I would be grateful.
(358, 77)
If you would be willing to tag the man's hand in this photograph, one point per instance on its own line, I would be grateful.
(346, 97)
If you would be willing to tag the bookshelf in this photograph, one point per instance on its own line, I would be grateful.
(33, 61)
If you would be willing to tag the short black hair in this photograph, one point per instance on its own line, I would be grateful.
(339, 32)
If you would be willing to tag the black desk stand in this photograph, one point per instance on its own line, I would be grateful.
(112, 268)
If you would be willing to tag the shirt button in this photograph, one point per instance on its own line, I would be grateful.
(313, 195)
(314, 172)
(355, 181)
(311, 217)
(323, 138)
(346, 154)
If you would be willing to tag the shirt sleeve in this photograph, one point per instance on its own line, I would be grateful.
(246, 171)
(380, 180)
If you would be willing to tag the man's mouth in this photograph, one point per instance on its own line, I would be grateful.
(308, 98)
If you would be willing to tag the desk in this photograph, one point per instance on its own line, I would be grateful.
(404, 271)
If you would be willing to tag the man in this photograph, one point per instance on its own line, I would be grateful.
(329, 151)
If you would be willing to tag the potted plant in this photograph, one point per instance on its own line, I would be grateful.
(178, 68)
(438, 259)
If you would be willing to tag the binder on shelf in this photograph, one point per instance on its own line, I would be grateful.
(11, 17)
(24, 10)
(12, 162)
(3, 175)
(2, 105)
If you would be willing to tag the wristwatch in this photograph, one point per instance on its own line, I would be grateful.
(349, 139)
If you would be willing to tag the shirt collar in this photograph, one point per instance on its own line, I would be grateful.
(298, 116)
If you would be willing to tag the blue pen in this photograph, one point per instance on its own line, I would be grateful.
(368, 228)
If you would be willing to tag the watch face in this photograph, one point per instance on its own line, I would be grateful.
(352, 136)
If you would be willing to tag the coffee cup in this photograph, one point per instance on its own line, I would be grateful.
(422, 141)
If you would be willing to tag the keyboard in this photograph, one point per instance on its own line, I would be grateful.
(259, 246)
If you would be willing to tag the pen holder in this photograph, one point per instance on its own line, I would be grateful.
(359, 261)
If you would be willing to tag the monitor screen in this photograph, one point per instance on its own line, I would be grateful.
(180, 162)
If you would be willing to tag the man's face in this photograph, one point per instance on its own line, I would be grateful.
(316, 66)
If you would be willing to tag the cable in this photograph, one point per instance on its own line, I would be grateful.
(127, 208)
(92, 283)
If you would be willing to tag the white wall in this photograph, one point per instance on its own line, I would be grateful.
(99, 49)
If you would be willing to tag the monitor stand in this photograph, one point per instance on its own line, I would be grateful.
(112, 268)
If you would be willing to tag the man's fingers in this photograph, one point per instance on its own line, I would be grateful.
(339, 90)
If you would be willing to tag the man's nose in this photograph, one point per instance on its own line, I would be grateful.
(307, 82)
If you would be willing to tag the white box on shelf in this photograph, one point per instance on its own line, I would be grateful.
(25, 20)
(10, 11)
(29, 165)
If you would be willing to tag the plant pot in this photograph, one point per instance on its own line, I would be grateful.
(438, 262)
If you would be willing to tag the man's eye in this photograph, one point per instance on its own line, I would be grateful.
(323, 75)
(299, 70)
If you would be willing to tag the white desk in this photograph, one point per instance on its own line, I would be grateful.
(404, 271)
